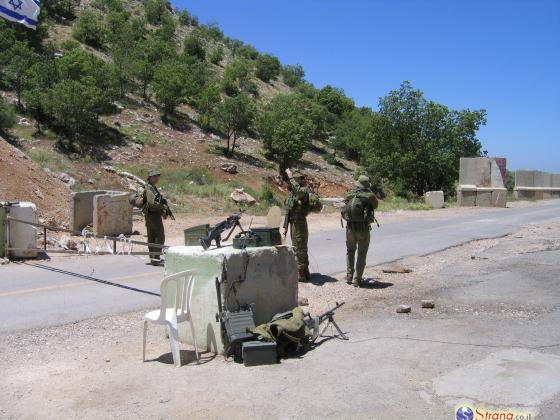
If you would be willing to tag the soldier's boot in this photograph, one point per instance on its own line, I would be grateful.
(302, 275)
(357, 282)
(349, 277)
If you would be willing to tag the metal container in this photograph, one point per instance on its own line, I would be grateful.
(19, 239)
(193, 234)
(257, 353)
(267, 236)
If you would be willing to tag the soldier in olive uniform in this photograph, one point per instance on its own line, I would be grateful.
(297, 218)
(154, 211)
(358, 229)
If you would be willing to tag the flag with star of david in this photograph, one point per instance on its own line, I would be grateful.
(25, 12)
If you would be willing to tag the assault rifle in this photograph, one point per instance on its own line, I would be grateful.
(215, 232)
(289, 206)
(315, 323)
(167, 209)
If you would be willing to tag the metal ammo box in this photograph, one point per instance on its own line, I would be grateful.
(267, 236)
(193, 234)
(259, 353)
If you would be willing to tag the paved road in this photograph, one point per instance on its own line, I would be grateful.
(42, 293)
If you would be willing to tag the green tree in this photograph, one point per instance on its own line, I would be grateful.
(238, 77)
(194, 47)
(235, 116)
(63, 8)
(293, 75)
(16, 71)
(206, 103)
(90, 29)
(186, 19)
(155, 10)
(42, 76)
(7, 116)
(285, 129)
(73, 106)
(169, 86)
(147, 55)
(267, 67)
(334, 100)
(417, 143)
(247, 52)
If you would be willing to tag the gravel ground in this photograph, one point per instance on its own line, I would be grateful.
(92, 368)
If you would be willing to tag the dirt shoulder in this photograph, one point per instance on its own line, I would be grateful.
(493, 298)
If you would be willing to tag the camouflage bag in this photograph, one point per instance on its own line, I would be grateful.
(355, 207)
(315, 205)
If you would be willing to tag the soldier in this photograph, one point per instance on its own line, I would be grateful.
(358, 212)
(298, 209)
(155, 209)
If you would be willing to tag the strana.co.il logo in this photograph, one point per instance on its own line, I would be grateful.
(464, 413)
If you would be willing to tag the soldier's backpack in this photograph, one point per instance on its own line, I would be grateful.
(356, 208)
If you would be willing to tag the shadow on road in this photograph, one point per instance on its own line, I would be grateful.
(319, 279)
(83, 276)
(375, 284)
(187, 357)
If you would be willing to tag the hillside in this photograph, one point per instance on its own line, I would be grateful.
(134, 137)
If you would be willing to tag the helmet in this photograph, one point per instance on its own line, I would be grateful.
(363, 181)
(153, 172)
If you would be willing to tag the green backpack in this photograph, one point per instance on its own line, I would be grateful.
(356, 208)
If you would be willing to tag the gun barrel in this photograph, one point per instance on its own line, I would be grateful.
(330, 312)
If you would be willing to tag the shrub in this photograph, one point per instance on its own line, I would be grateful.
(293, 75)
(268, 67)
(194, 47)
(90, 29)
(217, 55)
(7, 115)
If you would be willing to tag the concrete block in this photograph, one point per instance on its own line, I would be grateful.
(484, 198)
(499, 198)
(467, 171)
(483, 171)
(434, 199)
(497, 173)
(265, 277)
(524, 178)
(556, 180)
(112, 214)
(81, 208)
(466, 198)
(539, 195)
(539, 179)
(525, 194)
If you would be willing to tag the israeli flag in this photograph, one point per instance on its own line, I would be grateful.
(25, 12)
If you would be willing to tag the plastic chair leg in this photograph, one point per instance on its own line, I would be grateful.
(194, 340)
(174, 341)
(144, 341)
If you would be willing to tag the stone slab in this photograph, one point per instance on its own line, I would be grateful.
(265, 277)
(484, 198)
(81, 208)
(497, 173)
(547, 180)
(112, 214)
(467, 171)
(434, 199)
(499, 198)
(539, 179)
(466, 198)
(556, 180)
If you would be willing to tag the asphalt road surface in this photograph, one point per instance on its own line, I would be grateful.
(36, 294)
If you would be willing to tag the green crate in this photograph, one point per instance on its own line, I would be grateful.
(193, 234)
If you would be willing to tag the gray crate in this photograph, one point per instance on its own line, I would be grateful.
(193, 234)
(259, 353)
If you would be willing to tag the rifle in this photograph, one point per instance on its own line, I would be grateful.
(167, 208)
(289, 206)
(215, 232)
(315, 323)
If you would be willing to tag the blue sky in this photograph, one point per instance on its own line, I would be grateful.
(503, 56)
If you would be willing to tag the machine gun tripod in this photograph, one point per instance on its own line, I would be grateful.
(315, 323)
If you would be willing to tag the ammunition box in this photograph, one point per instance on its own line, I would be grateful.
(193, 234)
(259, 353)
(243, 242)
(267, 236)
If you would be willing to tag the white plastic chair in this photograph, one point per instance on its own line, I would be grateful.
(181, 284)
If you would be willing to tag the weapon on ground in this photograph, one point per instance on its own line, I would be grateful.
(215, 232)
(315, 323)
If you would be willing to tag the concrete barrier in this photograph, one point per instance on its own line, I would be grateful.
(434, 199)
(265, 277)
(112, 214)
(81, 208)
(536, 185)
(482, 182)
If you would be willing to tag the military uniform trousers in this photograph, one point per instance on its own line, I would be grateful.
(156, 232)
(357, 239)
(300, 234)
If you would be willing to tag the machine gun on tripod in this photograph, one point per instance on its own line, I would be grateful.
(215, 232)
(315, 323)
